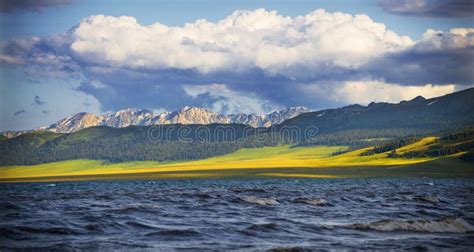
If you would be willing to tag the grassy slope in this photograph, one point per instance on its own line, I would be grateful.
(268, 161)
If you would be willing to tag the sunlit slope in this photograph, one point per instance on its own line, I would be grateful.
(354, 158)
(75, 167)
(287, 157)
(258, 158)
(267, 157)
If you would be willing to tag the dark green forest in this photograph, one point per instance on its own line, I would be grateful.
(134, 143)
(447, 144)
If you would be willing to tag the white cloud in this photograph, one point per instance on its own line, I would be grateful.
(364, 92)
(456, 38)
(10, 60)
(231, 102)
(245, 39)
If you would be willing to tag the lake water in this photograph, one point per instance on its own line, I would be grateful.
(239, 214)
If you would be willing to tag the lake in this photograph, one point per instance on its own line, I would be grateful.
(239, 214)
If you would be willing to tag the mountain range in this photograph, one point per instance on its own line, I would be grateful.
(186, 115)
(419, 115)
(448, 112)
(354, 126)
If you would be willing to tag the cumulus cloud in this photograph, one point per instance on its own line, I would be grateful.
(366, 91)
(32, 5)
(457, 38)
(245, 39)
(41, 57)
(230, 102)
(261, 60)
(440, 57)
(431, 8)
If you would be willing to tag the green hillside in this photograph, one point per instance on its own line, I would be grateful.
(278, 161)
(133, 143)
(418, 117)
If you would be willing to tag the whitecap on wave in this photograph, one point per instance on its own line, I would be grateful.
(443, 225)
(428, 198)
(314, 202)
(259, 201)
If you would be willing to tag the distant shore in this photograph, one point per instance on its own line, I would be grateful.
(441, 168)
(277, 161)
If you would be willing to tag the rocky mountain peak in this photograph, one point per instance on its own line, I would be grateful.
(185, 115)
(76, 122)
(196, 115)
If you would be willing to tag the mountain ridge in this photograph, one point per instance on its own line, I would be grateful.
(451, 111)
(438, 113)
(143, 117)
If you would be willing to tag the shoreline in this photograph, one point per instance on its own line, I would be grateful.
(441, 168)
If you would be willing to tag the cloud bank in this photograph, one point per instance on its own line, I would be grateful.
(31, 5)
(430, 8)
(257, 39)
(259, 59)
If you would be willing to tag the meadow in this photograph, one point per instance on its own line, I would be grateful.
(284, 160)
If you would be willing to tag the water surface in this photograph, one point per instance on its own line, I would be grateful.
(239, 214)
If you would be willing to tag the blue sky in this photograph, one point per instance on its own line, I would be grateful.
(71, 83)
(60, 18)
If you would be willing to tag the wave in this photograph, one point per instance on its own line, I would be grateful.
(192, 194)
(139, 225)
(428, 198)
(203, 195)
(137, 207)
(314, 202)
(289, 249)
(443, 225)
(9, 206)
(93, 227)
(175, 232)
(263, 227)
(254, 190)
(259, 201)
(48, 230)
(9, 233)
